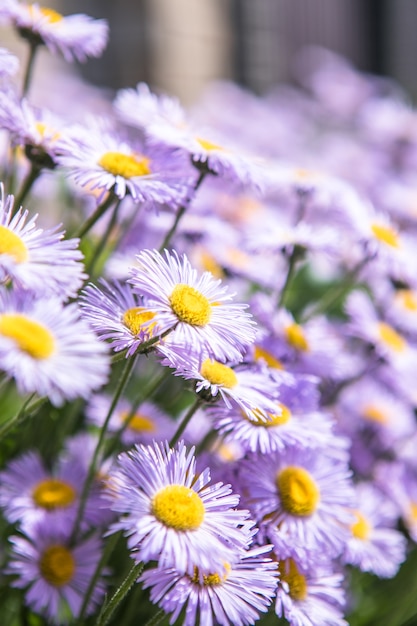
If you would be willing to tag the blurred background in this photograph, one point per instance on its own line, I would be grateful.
(178, 46)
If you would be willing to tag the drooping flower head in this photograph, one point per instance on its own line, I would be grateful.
(75, 36)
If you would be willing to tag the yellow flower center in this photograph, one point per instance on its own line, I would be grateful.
(139, 423)
(407, 299)
(190, 305)
(298, 491)
(218, 374)
(412, 514)
(49, 14)
(274, 419)
(209, 263)
(210, 580)
(45, 131)
(125, 165)
(270, 360)
(296, 337)
(53, 493)
(361, 528)
(57, 565)
(178, 507)
(30, 336)
(11, 244)
(375, 414)
(296, 581)
(391, 338)
(208, 145)
(386, 235)
(136, 318)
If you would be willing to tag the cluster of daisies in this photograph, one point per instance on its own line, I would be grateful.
(207, 368)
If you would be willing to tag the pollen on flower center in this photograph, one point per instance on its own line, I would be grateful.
(407, 298)
(139, 422)
(178, 507)
(218, 374)
(391, 338)
(298, 491)
(53, 493)
(30, 336)
(49, 14)
(385, 235)
(270, 360)
(57, 565)
(136, 319)
(125, 165)
(375, 414)
(208, 145)
(190, 305)
(295, 580)
(210, 580)
(296, 337)
(11, 244)
(361, 528)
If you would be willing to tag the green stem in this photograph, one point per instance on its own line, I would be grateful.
(156, 619)
(149, 391)
(25, 411)
(103, 242)
(296, 255)
(99, 212)
(119, 595)
(181, 212)
(92, 469)
(31, 177)
(33, 48)
(185, 421)
(108, 549)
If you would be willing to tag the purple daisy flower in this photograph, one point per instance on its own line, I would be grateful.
(55, 573)
(35, 259)
(114, 311)
(196, 308)
(234, 598)
(75, 36)
(29, 492)
(310, 595)
(246, 387)
(172, 514)
(306, 493)
(102, 159)
(48, 349)
(375, 545)
(147, 423)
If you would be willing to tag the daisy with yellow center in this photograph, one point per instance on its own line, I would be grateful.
(75, 36)
(171, 514)
(36, 259)
(54, 572)
(196, 308)
(302, 495)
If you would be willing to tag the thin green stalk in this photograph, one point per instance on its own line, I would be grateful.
(33, 48)
(142, 396)
(296, 255)
(108, 549)
(181, 212)
(156, 619)
(94, 217)
(103, 241)
(185, 421)
(25, 411)
(119, 595)
(31, 177)
(92, 469)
